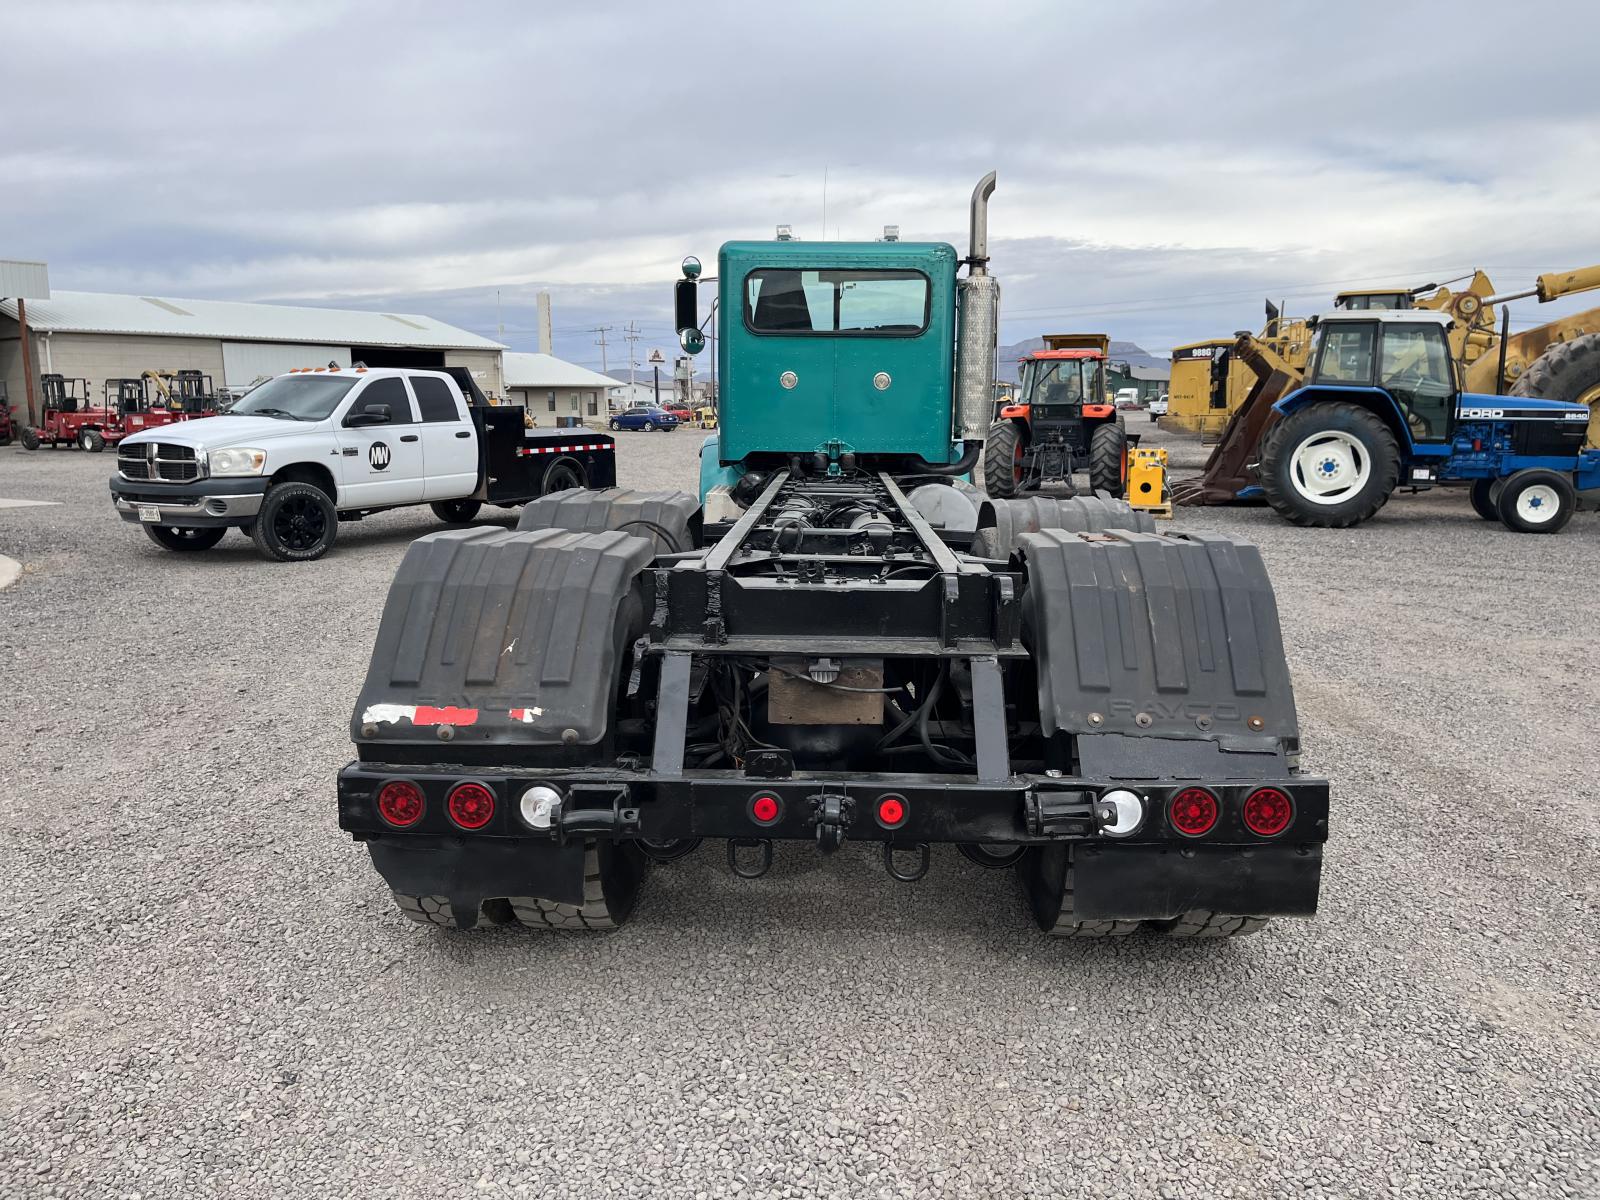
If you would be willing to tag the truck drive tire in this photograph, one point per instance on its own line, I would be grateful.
(1047, 878)
(1002, 460)
(1108, 459)
(1203, 923)
(1482, 502)
(455, 512)
(1537, 501)
(1330, 465)
(171, 537)
(30, 438)
(297, 522)
(92, 440)
(611, 872)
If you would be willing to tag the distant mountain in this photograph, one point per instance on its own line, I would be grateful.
(1129, 352)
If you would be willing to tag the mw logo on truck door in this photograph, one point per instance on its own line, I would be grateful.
(378, 456)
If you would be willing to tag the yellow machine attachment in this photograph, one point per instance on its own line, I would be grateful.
(1147, 481)
(161, 381)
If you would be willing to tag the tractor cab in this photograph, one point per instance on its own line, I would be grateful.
(1405, 353)
(1370, 300)
(1051, 430)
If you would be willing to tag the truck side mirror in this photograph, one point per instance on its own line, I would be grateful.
(685, 305)
(378, 414)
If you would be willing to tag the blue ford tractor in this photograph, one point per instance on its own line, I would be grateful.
(1382, 408)
(837, 641)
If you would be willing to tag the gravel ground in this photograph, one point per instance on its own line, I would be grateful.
(204, 990)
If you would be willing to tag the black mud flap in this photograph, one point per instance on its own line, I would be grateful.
(671, 519)
(1160, 882)
(492, 638)
(485, 870)
(1143, 640)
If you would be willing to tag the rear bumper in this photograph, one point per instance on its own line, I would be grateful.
(1152, 873)
(198, 504)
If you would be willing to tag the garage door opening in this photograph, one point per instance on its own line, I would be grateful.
(398, 356)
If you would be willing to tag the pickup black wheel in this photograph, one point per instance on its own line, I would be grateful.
(1537, 501)
(1482, 502)
(1046, 873)
(1003, 454)
(297, 522)
(1330, 465)
(171, 537)
(1203, 923)
(30, 438)
(649, 426)
(1108, 459)
(92, 440)
(564, 475)
(455, 512)
(611, 875)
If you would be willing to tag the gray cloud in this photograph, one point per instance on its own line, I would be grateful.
(1162, 168)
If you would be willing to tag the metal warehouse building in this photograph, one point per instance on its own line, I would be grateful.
(98, 336)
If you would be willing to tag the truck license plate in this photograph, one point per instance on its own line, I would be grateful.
(150, 513)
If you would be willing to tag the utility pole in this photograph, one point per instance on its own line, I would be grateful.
(27, 358)
(602, 330)
(632, 336)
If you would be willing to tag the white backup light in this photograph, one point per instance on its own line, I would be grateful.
(538, 806)
(1129, 812)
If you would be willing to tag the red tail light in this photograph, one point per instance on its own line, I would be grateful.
(1193, 811)
(471, 805)
(891, 811)
(400, 803)
(1268, 811)
(765, 809)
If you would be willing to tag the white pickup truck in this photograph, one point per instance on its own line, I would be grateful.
(304, 451)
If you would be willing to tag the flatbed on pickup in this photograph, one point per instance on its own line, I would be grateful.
(308, 450)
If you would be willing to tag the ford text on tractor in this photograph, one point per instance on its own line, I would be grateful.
(1062, 421)
(1383, 408)
(838, 640)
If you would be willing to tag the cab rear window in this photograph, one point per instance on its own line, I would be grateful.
(851, 303)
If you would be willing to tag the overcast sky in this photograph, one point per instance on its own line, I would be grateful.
(1162, 168)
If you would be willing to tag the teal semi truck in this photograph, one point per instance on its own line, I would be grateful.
(837, 641)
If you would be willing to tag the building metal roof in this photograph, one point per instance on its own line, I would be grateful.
(548, 371)
(236, 320)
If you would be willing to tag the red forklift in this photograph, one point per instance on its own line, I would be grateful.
(70, 420)
(1063, 421)
(7, 424)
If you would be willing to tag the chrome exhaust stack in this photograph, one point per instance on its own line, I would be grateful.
(977, 327)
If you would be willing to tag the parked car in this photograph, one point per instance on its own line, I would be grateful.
(682, 411)
(646, 417)
(1158, 407)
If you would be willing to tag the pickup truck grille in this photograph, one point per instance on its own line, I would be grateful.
(158, 460)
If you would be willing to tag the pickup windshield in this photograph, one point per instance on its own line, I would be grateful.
(298, 397)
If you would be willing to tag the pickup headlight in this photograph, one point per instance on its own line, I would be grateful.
(236, 462)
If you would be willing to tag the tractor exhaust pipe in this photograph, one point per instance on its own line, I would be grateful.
(977, 327)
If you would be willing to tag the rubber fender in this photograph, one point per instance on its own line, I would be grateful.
(1001, 523)
(1147, 635)
(505, 637)
(670, 519)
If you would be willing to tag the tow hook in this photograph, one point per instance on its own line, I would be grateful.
(763, 862)
(831, 812)
(920, 849)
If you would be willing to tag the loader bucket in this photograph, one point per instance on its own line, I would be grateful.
(1231, 467)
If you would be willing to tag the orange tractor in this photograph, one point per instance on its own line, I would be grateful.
(1062, 420)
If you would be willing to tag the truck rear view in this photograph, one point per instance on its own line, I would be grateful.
(839, 640)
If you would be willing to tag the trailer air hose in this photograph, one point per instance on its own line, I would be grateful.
(968, 460)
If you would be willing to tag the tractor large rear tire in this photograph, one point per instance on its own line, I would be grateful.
(1108, 459)
(1362, 455)
(1567, 371)
(1002, 460)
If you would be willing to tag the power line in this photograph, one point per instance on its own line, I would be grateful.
(602, 330)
